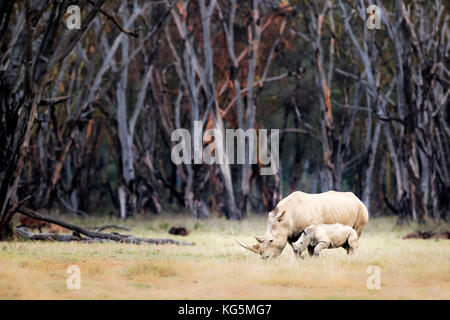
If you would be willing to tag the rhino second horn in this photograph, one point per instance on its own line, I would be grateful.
(252, 249)
(259, 239)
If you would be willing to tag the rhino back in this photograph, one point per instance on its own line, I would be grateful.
(329, 207)
(337, 234)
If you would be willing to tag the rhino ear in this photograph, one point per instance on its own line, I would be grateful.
(280, 216)
(309, 231)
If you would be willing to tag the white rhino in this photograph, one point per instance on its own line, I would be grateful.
(326, 236)
(299, 210)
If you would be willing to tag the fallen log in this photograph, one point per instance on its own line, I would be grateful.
(179, 231)
(22, 232)
(427, 235)
(110, 226)
(91, 235)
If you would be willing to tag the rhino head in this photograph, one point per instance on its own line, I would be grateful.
(273, 243)
(303, 242)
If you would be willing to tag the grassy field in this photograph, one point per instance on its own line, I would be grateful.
(217, 268)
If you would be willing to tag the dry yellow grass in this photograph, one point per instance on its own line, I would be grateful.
(216, 268)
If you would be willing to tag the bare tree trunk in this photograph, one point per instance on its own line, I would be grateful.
(127, 195)
(249, 122)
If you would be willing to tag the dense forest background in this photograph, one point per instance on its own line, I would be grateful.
(87, 114)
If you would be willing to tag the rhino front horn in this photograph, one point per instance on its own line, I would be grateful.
(251, 248)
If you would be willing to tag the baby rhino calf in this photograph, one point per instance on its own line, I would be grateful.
(326, 236)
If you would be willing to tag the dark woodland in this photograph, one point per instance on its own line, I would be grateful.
(87, 114)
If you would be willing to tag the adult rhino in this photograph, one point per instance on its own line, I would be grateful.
(299, 210)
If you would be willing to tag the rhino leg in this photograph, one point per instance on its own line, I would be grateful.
(320, 246)
(352, 244)
(311, 250)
